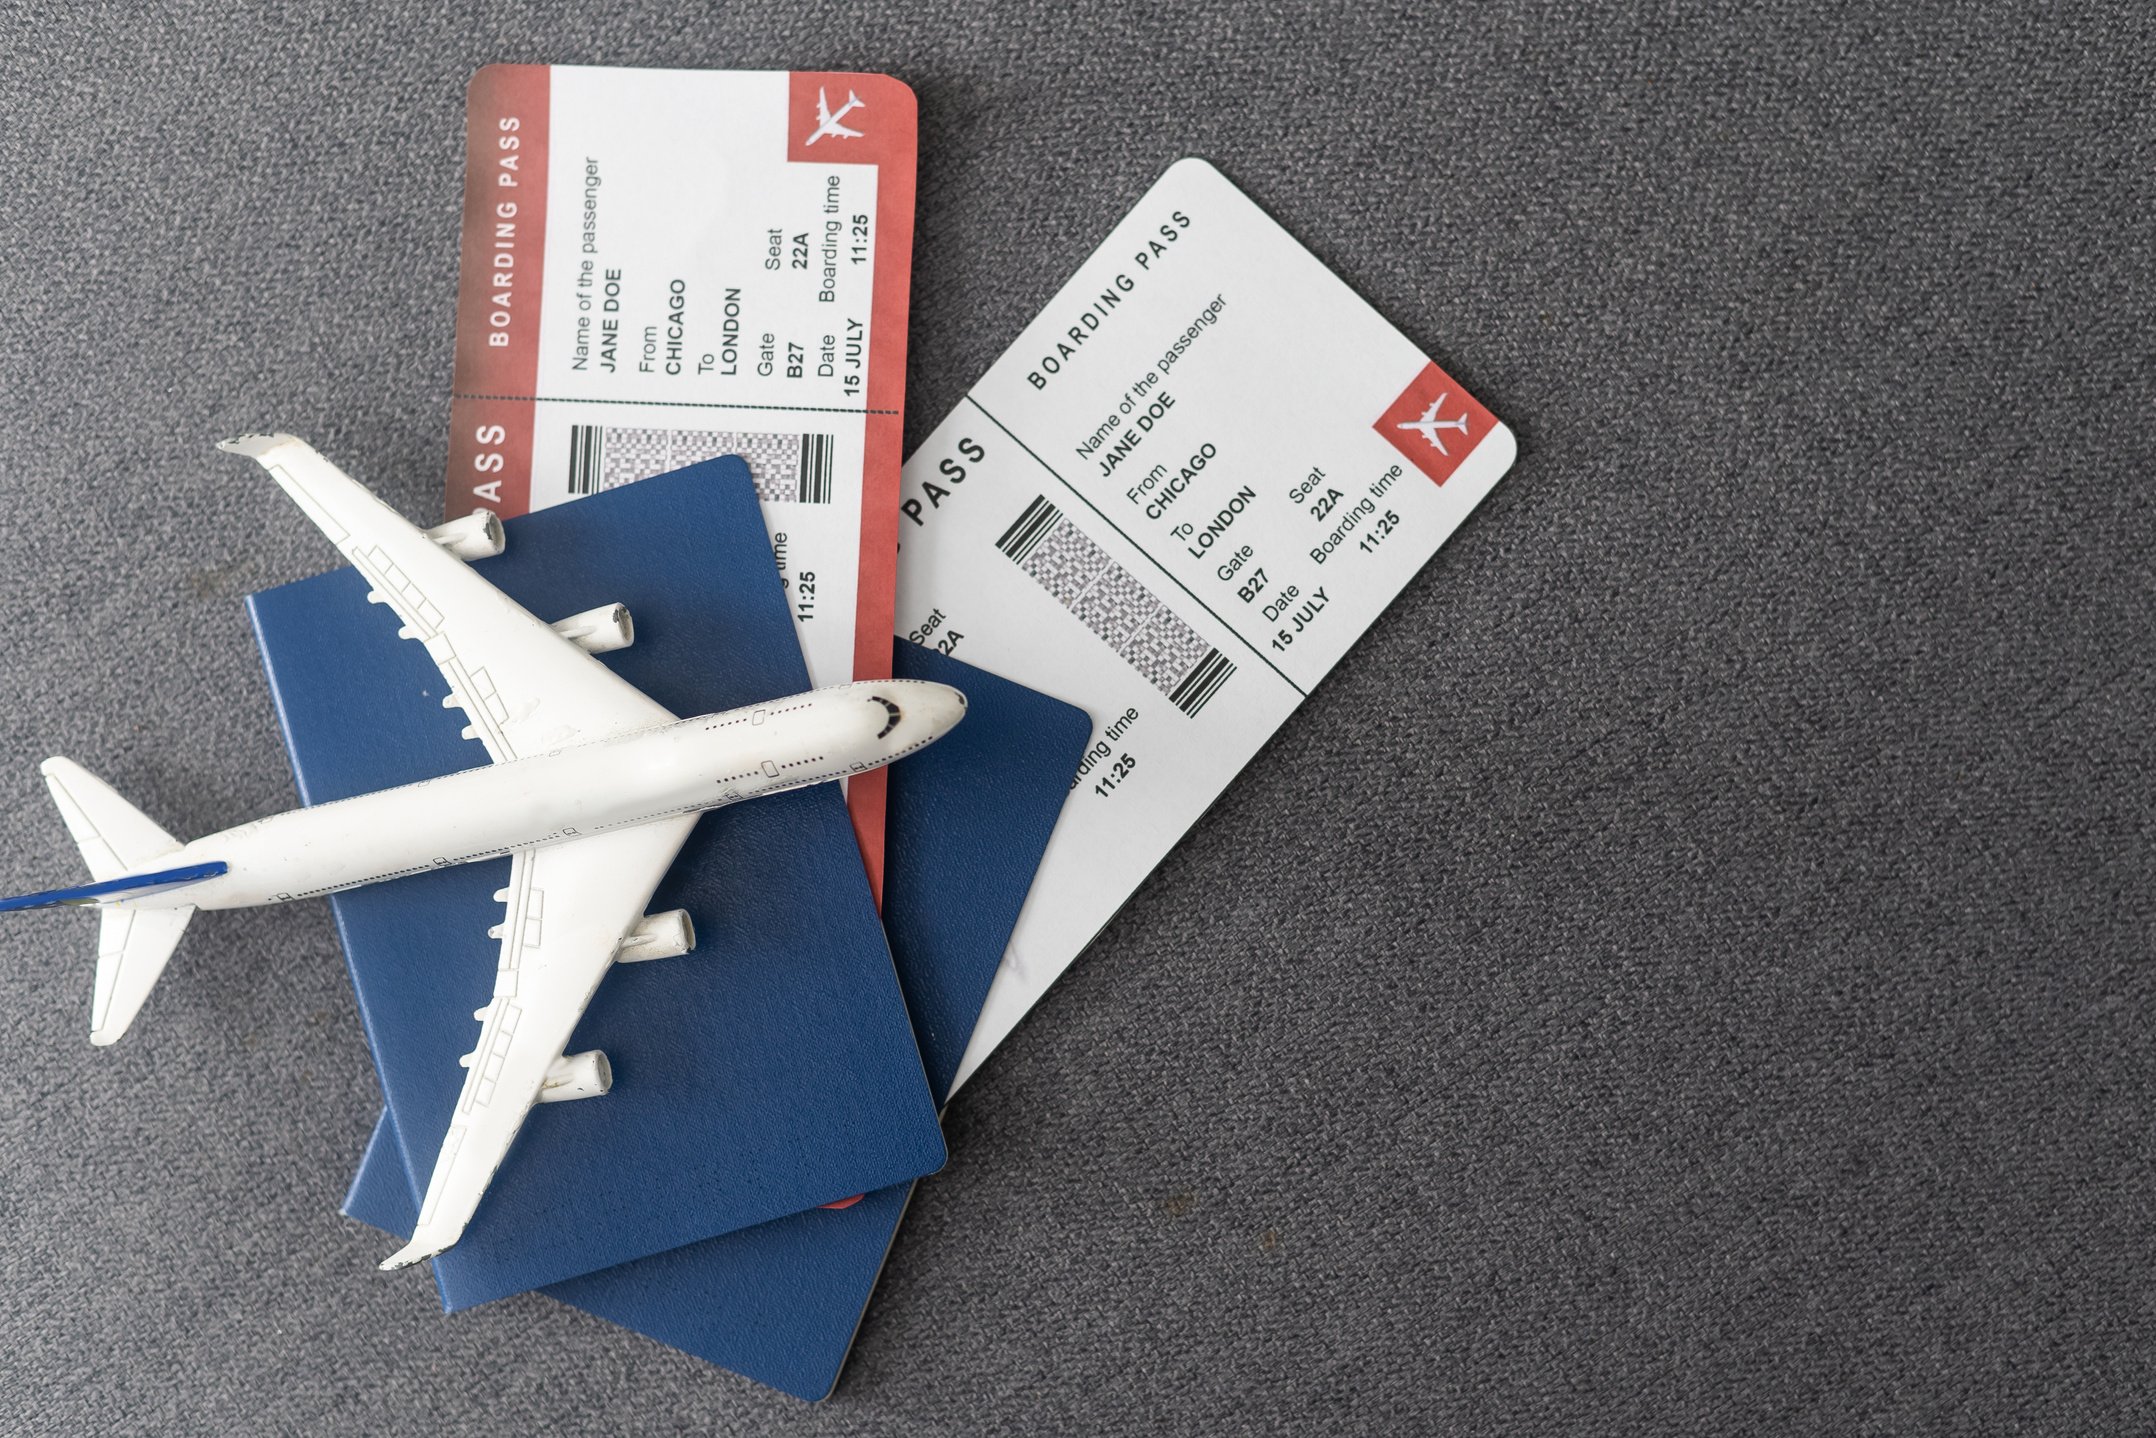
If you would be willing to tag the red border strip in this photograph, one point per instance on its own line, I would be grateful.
(889, 121)
(503, 268)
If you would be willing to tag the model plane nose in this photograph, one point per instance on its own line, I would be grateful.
(912, 713)
(942, 707)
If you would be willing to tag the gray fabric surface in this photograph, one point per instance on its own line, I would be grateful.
(1687, 971)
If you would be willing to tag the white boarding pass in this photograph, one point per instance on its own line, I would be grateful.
(1176, 501)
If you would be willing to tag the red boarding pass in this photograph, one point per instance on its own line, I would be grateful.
(663, 266)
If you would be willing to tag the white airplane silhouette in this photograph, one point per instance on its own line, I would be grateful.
(592, 790)
(828, 124)
(1430, 424)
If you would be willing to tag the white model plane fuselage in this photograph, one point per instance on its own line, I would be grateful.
(577, 792)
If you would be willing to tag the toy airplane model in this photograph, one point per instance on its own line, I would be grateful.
(593, 789)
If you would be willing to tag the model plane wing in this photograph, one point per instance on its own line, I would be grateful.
(524, 688)
(570, 906)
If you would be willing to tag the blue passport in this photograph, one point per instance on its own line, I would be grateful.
(968, 820)
(769, 1071)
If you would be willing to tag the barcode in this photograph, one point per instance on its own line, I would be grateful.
(1109, 600)
(584, 466)
(1201, 683)
(813, 477)
(1030, 528)
(794, 467)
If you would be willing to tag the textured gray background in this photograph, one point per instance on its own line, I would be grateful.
(1687, 971)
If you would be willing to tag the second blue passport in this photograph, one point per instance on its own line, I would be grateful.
(773, 1069)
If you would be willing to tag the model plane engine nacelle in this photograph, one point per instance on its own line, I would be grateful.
(599, 631)
(476, 536)
(658, 936)
(573, 1076)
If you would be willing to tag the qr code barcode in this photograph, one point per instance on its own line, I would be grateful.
(1079, 575)
(793, 467)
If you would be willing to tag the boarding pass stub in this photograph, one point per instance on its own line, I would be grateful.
(1176, 501)
(662, 266)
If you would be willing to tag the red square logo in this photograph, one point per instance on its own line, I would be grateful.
(851, 119)
(1435, 423)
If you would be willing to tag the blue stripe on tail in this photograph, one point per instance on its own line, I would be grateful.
(130, 884)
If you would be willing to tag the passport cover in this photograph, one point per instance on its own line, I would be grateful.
(771, 1070)
(968, 820)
